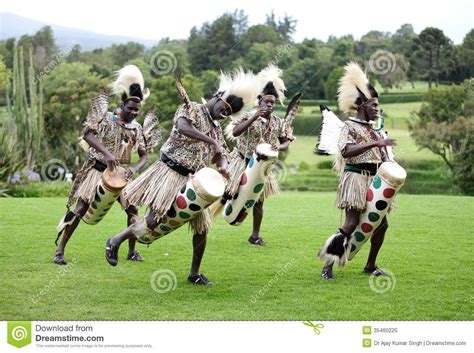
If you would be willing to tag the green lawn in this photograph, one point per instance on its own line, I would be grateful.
(428, 248)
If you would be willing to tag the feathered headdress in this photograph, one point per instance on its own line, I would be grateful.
(354, 89)
(271, 83)
(129, 84)
(239, 90)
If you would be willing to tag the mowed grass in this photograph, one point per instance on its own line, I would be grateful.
(428, 248)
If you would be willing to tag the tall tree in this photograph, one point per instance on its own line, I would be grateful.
(403, 42)
(285, 27)
(445, 125)
(215, 46)
(432, 48)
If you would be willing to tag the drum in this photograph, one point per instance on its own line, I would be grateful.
(389, 179)
(252, 184)
(201, 190)
(107, 192)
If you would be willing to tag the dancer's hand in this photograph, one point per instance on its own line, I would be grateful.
(130, 173)
(386, 142)
(216, 152)
(262, 112)
(224, 172)
(110, 161)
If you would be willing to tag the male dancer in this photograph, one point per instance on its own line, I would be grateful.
(256, 127)
(111, 137)
(363, 149)
(196, 141)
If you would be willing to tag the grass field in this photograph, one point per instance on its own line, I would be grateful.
(428, 248)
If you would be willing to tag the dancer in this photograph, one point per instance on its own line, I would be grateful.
(111, 137)
(362, 149)
(196, 141)
(257, 127)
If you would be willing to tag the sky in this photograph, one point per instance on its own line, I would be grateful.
(316, 19)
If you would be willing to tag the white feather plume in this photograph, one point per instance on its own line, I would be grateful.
(127, 76)
(330, 130)
(241, 84)
(272, 73)
(352, 79)
(331, 127)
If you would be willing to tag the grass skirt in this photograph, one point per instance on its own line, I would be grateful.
(156, 189)
(352, 191)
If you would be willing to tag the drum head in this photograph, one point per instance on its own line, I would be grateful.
(392, 173)
(266, 149)
(116, 180)
(209, 183)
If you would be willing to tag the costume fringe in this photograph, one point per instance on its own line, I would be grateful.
(202, 223)
(271, 188)
(352, 190)
(236, 168)
(156, 188)
(88, 186)
(80, 176)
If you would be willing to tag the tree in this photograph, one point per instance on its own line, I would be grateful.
(166, 99)
(258, 56)
(403, 42)
(121, 53)
(432, 46)
(259, 34)
(210, 83)
(169, 57)
(466, 56)
(74, 54)
(371, 42)
(215, 46)
(445, 126)
(6, 50)
(44, 47)
(68, 90)
(344, 51)
(332, 83)
(397, 75)
(283, 27)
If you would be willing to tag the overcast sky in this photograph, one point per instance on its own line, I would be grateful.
(316, 19)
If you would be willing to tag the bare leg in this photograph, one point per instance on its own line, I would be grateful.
(112, 245)
(199, 246)
(118, 239)
(350, 224)
(257, 222)
(376, 243)
(257, 218)
(132, 214)
(79, 211)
